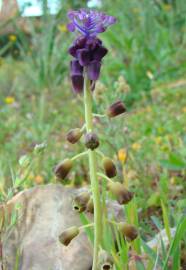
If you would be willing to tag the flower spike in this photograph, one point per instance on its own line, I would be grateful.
(87, 49)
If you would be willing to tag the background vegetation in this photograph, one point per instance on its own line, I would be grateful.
(145, 68)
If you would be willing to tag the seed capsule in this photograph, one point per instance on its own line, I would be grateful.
(105, 260)
(116, 109)
(128, 230)
(66, 237)
(63, 168)
(122, 194)
(74, 135)
(90, 206)
(91, 140)
(80, 202)
(109, 167)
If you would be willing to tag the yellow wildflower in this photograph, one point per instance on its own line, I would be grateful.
(122, 155)
(160, 130)
(12, 38)
(167, 7)
(184, 109)
(39, 179)
(62, 28)
(136, 146)
(148, 109)
(31, 176)
(173, 181)
(158, 140)
(164, 148)
(136, 10)
(9, 100)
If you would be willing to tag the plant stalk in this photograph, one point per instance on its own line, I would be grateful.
(93, 173)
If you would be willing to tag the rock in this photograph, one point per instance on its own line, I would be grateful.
(43, 212)
(155, 243)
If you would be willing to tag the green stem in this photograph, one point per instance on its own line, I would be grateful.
(99, 115)
(93, 174)
(86, 226)
(79, 155)
(105, 177)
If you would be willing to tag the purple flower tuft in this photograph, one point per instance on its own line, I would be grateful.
(87, 49)
(89, 22)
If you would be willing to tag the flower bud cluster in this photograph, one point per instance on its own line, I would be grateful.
(88, 53)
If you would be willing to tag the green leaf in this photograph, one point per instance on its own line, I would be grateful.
(88, 231)
(173, 250)
(174, 162)
(154, 200)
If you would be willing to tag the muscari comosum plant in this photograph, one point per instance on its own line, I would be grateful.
(88, 52)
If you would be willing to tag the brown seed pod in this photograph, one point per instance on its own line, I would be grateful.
(80, 202)
(109, 167)
(66, 237)
(105, 260)
(63, 168)
(128, 230)
(123, 195)
(91, 140)
(116, 109)
(90, 206)
(74, 135)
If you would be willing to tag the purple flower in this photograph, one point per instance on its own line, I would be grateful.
(89, 22)
(87, 49)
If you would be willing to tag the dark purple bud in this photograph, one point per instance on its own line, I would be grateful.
(80, 42)
(122, 194)
(83, 56)
(99, 53)
(92, 43)
(77, 83)
(76, 68)
(93, 70)
(74, 135)
(91, 140)
(63, 168)
(72, 50)
(116, 108)
(109, 167)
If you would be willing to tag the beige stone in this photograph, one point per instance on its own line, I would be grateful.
(43, 212)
